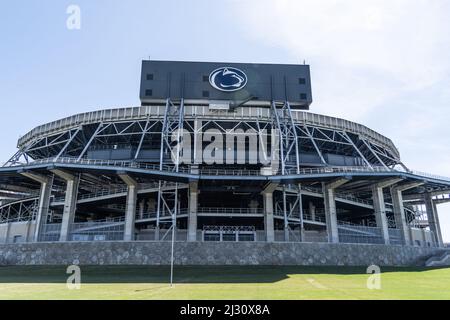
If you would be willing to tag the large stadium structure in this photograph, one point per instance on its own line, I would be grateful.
(216, 152)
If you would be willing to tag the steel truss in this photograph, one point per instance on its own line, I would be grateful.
(22, 210)
(227, 127)
(292, 211)
(173, 124)
(283, 121)
(296, 138)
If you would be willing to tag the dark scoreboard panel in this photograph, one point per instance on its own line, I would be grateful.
(235, 83)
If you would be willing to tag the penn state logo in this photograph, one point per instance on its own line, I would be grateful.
(228, 79)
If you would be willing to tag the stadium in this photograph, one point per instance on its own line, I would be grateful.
(216, 153)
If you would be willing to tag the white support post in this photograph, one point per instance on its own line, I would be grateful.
(399, 210)
(268, 216)
(285, 217)
(193, 205)
(44, 200)
(379, 206)
(399, 214)
(433, 220)
(300, 209)
(438, 224)
(70, 202)
(330, 208)
(130, 211)
(267, 194)
(312, 211)
(380, 212)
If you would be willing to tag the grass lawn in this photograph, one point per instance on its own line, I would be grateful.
(144, 282)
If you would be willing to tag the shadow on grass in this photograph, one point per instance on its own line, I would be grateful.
(187, 274)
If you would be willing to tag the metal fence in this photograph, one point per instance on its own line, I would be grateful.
(50, 232)
(395, 236)
(104, 230)
(360, 234)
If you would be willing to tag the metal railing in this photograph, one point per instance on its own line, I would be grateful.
(109, 191)
(50, 232)
(100, 230)
(359, 234)
(228, 172)
(229, 211)
(315, 218)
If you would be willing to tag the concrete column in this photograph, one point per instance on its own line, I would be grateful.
(424, 237)
(436, 216)
(7, 233)
(70, 202)
(330, 208)
(312, 210)
(44, 200)
(433, 220)
(399, 214)
(253, 205)
(193, 205)
(331, 215)
(268, 216)
(380, 212)
(130, 213)
(27, 238)
(141, 209)
(399, 210)
(130, 208)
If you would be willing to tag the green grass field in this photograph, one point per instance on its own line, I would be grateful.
(133, 282)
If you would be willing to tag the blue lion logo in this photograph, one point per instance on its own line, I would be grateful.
(228, 79)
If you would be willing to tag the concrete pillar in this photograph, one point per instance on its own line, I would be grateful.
(331, 214)
(424, 237)
(433, 220)
(130, 207)
(192, 217)
(399, 215)
(27, 238)
(44, 200)
(436, 216)
(380, 212)
(7, 233)
(70, 202)
(268, 216)
(130, 213)
(399, 210)
(141, 209)
(330, 208)
(312, 210)
(253, 205)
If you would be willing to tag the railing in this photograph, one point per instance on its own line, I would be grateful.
(229, 228)
(230, 211)
(110, 191)
(230, 172)
(114, 163)
(227, 172)
(360, 234)
(315, 218)
(429, 175)
(50, 232)
(349, 169)
(340, 195)
(100, 230)
(163, 214)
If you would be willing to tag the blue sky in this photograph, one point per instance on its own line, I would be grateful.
(378, 62)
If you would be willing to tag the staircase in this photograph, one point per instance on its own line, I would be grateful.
(441, 260)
